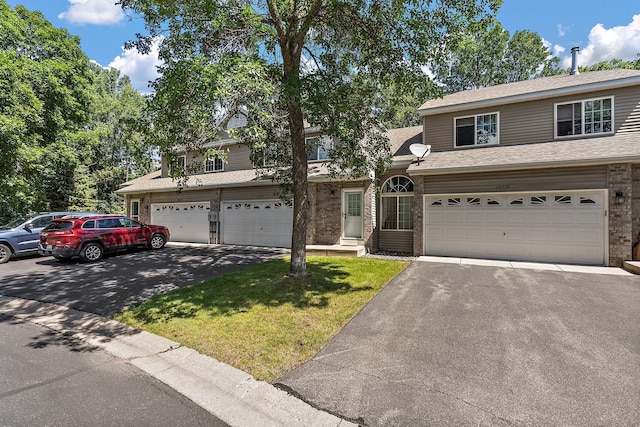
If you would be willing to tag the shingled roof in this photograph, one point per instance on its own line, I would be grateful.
(576, 152)
(530, 90)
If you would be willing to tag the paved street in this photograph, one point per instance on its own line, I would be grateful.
(49, 379)
(447, 344)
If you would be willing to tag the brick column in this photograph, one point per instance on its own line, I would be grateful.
(418, 214)
(635, 202)
(311, 213)
(620, 216)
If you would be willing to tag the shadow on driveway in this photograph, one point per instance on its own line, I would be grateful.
(123, 279)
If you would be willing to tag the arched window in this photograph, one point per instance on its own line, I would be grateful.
(397, 204)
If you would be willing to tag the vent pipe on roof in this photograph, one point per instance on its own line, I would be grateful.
(574, 61)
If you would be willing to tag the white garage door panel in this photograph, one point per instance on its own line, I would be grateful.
(257, 223)
(553, 227)
(187, 222)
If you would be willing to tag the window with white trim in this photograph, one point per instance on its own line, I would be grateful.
(476, 130)
(134, 212)
(587, 117)
(318, 148)
(397, 204)
(214, 165)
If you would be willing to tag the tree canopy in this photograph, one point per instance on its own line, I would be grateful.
(491, 57)
(66, 125)
(288, 63)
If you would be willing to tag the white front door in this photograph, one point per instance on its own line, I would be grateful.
(559, 227)
(352, 214)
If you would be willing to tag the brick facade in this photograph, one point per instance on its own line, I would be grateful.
(620, 216)
(326, 205)
(635, 203)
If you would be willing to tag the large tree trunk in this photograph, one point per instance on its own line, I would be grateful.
(300, 197)
(291, 51)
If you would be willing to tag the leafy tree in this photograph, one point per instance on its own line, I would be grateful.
(117, 150)
(45, 77)
(488, 58)
(69, 129)
(285, 62)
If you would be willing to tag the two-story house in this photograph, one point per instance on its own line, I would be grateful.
(540, 170)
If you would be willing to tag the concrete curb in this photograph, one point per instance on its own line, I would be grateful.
(229, 393)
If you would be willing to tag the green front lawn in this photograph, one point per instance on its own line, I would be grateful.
(261, 321)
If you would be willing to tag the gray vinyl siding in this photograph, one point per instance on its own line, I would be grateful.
(184, 196)
(250, 193)
(395, 241)
(627, 111)
(509, 181)
(238, 158)
(532, 122)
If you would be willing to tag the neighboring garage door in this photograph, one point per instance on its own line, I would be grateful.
(187, 222)
(559, 227)
(257, 223)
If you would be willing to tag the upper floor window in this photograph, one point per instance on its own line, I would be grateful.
(584, 117)
(318, 148)
(476, 130)
(397, 204)
(214, 165)
(179, 163)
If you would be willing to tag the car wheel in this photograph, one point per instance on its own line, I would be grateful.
(157, 241)
(5, 253)
(91, 252)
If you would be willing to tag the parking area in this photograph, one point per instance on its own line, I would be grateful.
(461, 344)
(123, 279)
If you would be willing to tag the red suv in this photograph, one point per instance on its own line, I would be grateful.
(90, 237)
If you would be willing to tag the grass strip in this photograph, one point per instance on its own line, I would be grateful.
(261, 321)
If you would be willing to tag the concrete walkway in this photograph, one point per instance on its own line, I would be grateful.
(528, 265)
(230, 394)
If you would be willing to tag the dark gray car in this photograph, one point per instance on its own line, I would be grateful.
(21, 236)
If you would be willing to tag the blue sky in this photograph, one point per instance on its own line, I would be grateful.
(602, 30)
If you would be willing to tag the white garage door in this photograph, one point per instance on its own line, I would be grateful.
(187, 222)
(567, 227)
(257, 223)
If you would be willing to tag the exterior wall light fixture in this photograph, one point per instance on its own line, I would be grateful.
(620, 198)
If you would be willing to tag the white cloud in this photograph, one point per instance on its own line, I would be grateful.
(99, 12)
(561, 30)
(141, 69)
(557, 49)
(621, 42)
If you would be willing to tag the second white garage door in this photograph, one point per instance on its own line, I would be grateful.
(257, 223)
(567, 227)
(187, 222)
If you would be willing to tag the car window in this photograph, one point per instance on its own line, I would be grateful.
(59, 226)
(89, 224)
(109, 223)
(43, 221)
(129, 223)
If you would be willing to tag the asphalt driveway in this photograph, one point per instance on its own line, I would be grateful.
(125, 278)
(447, 344)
